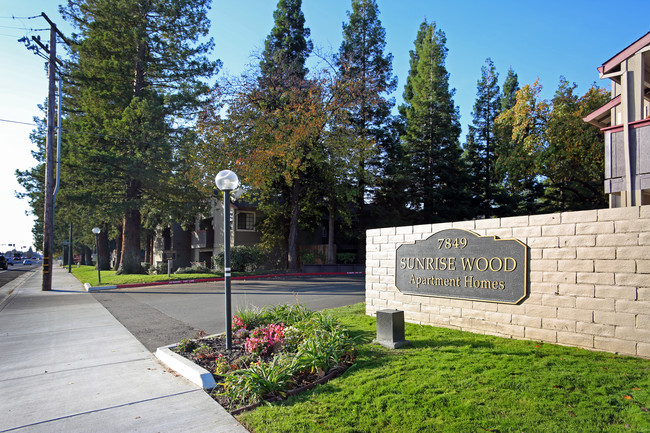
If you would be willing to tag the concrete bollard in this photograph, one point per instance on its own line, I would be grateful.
(390, 329)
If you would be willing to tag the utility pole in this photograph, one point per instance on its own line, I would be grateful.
(48, 229)
(48, 214)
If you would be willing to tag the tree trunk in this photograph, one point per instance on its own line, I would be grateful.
(130, 263)
(292, 256)
(331, 259)
(88, 255)
(118, 248)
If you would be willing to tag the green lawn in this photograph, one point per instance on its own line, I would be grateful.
(452, 381)
(88, 274)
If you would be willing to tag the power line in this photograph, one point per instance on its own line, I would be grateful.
(92, 134)
(12, 17)
(18, 122)
(23, 28)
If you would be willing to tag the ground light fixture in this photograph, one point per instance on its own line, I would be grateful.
(227, 181)
(97, 231)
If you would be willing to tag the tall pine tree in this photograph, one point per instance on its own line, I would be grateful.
(481, 142)
(363, 64)
(435, 174)
(135, 84)
(283, 83)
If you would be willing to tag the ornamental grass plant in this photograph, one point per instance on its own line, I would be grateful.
(270, 358)
(454, 381)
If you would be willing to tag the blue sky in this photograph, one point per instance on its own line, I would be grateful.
(539, 40)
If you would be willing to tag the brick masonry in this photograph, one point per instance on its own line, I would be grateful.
(589, 280)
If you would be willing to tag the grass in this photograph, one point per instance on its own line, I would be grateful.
(88, 274)
(453, 381)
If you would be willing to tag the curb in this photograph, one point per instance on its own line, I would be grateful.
(185, 367)
(9, 290)
(90, 288)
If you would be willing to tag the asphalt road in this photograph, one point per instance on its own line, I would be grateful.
(163, 315)
(11, 274)
(14, 272)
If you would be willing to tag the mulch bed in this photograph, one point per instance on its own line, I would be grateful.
(239, 358)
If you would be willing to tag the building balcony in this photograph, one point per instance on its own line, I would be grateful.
(203, 239)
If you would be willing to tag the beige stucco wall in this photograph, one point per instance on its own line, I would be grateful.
(589, 280)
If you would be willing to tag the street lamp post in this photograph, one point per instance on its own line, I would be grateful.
(227, 181)
(97, 231)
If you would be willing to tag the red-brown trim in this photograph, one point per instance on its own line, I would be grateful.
(625, 54)
(640, 123)
(600, 111)
(612, 129)
(633, 125)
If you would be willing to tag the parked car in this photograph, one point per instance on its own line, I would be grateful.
(27, 262)
(3, 262)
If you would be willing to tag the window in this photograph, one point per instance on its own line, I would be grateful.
(246, 221)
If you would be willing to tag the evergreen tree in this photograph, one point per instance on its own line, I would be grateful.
(286, 49)
(284, 87)
(481, 142)
(135, 83)
(508, 201)
(368, 70)
(510, 88)
(437, 181)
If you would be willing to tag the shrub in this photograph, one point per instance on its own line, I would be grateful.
(243, 258)
(260, 379)
(322, 350)
(288, 314)
(222, 366)
(187, 345)
(249, 318)
(159, 269)
(346, 258)
(194, 269)
(292, 339)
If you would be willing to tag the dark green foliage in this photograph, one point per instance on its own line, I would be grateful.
(368, 69)
(510, 88)
(435, 174)
(488, 195)
(134, 81)
(244, 258)
(286, 50)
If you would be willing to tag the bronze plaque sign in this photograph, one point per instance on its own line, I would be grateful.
(460, 264)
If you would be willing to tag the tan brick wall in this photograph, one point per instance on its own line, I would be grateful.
(589, 275)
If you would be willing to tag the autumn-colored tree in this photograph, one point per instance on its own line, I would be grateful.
(287, 157)
(555, 159)
(522, 131)
(573, 162)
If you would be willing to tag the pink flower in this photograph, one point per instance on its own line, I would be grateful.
(262, 340)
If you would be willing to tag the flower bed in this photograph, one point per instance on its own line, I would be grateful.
(276, 352)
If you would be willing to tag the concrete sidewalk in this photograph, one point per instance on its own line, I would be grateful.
(67, 365)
